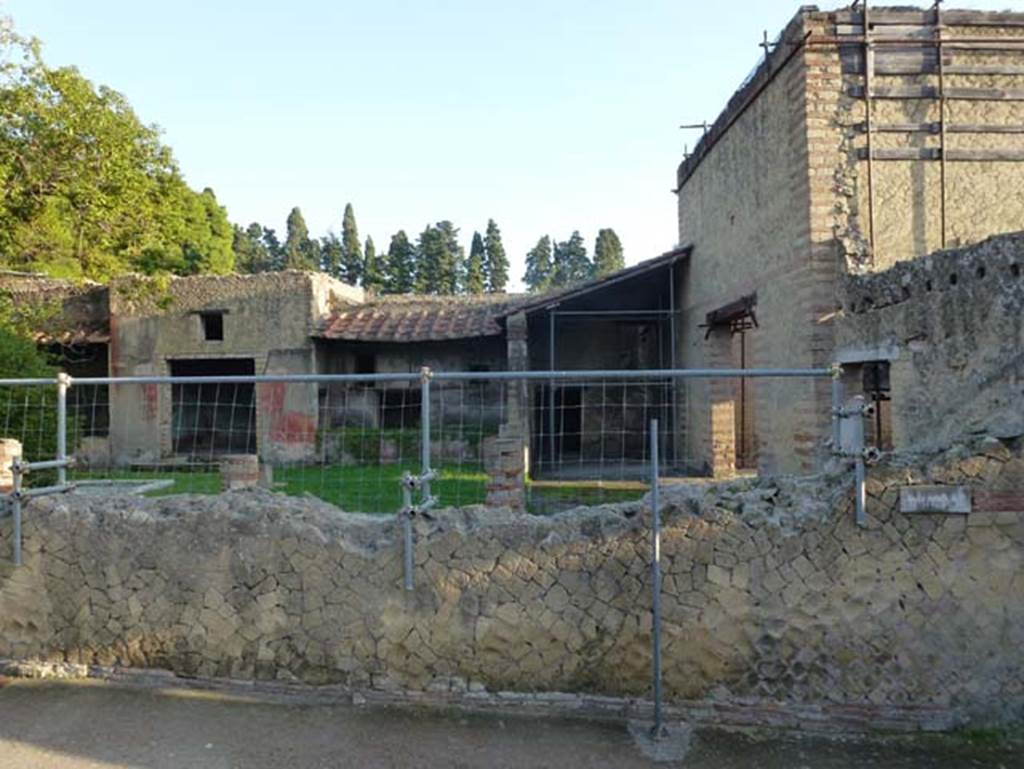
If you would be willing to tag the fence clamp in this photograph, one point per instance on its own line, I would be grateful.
(426, 374)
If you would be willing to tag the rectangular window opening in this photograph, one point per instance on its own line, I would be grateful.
(213, 326)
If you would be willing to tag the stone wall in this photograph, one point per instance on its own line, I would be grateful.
(774, 601)
(267, 318)
(951, 327)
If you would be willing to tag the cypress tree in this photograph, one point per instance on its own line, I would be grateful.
(400, 270)
(608, 255)
(496, 266)
(475, 266)
(251, 253)
(373, 278)
(330, 255)
(274, 251)
(439, 259)
(297, 251)
(351, 252)
(570, 263)
(538, 266)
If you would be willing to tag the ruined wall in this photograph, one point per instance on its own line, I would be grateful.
(983, 197)
(268, 318)
(744, 204)
(951, 326)
(773, 598)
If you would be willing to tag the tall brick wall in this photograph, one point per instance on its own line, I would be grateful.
(745, 206)
(774, 201)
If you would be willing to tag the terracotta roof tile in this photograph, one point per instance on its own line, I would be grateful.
(417, 318)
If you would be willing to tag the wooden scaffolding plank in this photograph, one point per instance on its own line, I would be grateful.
(932, 92)
(934, 153)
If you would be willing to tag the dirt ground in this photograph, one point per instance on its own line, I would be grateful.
(73, 726)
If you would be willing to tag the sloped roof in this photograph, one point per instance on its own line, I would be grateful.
(419, 318)
(544, 300)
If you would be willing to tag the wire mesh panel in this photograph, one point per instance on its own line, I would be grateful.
(537, 442)
(28, 414)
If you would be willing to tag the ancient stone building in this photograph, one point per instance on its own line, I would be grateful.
(865, 138)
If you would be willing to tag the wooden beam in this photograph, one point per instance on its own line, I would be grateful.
(885, 17)
(934, 128)
(932, 92)
(934, 153)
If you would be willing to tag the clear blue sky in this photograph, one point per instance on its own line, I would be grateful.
(548, 115)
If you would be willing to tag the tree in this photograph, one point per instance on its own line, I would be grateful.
(331, 255)
(351, 253)
(28, 414)
(608, 256)
(474, 279)
(299, 251)
(400, 271)
(251, 254)
(88, 189)
(439, 259)
(275, 254)
(373, 276)
(570, 262)
(496, 266)
(538, 266)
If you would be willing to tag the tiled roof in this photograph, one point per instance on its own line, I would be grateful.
(417, 318)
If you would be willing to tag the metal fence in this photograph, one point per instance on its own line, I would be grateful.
(541, 440)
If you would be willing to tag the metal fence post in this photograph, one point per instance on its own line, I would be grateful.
(16, 478)
(837, 406)
(658, 729)
(63, 383)
(425, 376)
(406, 515)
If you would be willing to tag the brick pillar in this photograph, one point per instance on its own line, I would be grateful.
(504, 463)
(506, 457)
(10, 450)
(723, 403)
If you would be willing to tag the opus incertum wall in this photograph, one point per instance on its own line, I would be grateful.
(774, 602)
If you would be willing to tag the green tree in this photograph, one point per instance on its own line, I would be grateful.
(474, 280)
(27, 414)
(88, 189)
(351, 252)
(299, 251)
(373, 273)
(331, 254)
(608, 256)
(538, 266)
(496, 265)
(439, 258)
(275, 253)
(251, 254)
(570, 262)
(400, 272)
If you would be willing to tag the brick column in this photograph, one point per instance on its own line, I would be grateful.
(722, 397)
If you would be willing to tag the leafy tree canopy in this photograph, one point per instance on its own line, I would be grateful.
(88, 190)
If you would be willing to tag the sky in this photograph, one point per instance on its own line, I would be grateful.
(546, 115)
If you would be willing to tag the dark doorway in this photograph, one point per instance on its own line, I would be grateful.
(213, 418)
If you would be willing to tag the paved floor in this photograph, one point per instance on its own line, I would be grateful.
(73, 726)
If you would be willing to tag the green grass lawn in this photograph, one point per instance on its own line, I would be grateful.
(375, 488)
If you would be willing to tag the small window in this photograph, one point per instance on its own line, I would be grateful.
(213, 326)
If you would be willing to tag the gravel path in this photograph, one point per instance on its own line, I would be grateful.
(73, 726)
